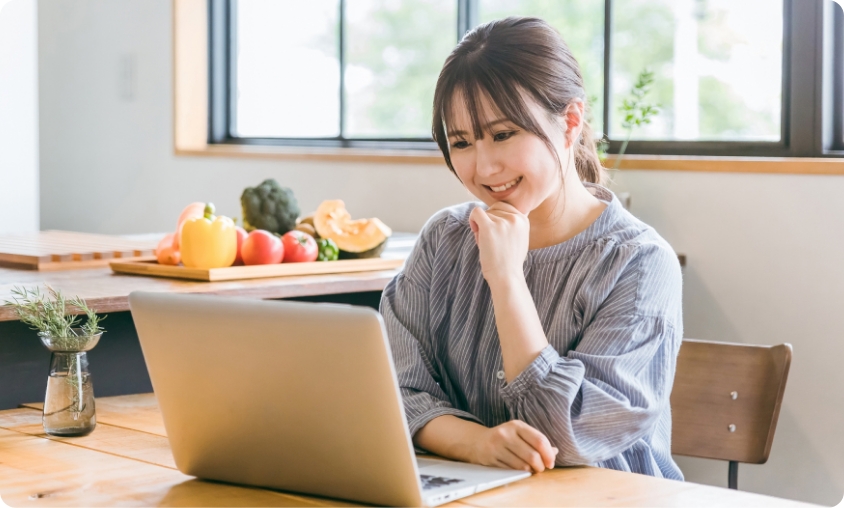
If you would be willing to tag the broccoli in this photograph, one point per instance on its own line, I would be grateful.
(269, 206)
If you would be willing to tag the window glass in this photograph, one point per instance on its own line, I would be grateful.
(717, 67)
(394, 53)
(834, 105)
(287, 69)
(580, 22)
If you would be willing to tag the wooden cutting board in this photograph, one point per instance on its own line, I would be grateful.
(67, 250)
(398, 249)
(153, 269)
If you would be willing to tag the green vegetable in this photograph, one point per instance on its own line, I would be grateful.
(327, 250)
(270, 207)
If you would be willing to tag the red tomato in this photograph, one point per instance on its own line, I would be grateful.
(299, 247)
(261, 248)
(241, 236)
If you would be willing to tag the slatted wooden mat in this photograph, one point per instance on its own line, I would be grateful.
(64, 250)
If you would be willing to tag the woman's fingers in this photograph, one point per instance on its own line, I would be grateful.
(503, 207)
(513, 461)
(506, 211)
(508, 219)
(492, 220)
(528, 454)
(528, 444)
(515, 445)
(538, 442)
(474, 226)
(479, 217)
(479, 221)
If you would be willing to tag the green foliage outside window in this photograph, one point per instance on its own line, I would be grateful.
(394, 50)
(643, 36)
(403, 45)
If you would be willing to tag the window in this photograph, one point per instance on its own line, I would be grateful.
(731, 78)
(329, 72)
(834, 50)
(296, 95)
(717, 63)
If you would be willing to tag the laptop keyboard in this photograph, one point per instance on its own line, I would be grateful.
(434, 482)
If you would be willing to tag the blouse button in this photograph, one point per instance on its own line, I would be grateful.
(500, 374)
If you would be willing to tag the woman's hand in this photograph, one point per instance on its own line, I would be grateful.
(515, 445)
(502, 233)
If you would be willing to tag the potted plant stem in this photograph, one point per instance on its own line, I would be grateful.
(69, 408)
(636, 110)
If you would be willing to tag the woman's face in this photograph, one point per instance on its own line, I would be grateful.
(511, 164)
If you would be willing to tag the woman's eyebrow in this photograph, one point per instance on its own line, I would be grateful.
(496, 122)
(486, 127)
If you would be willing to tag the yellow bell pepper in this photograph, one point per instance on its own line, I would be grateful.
(209, 241)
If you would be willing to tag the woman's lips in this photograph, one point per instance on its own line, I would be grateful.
(502, 194)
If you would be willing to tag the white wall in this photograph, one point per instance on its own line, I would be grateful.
(18, 116)
(762, 249)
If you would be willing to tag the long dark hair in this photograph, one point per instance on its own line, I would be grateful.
(500, 59)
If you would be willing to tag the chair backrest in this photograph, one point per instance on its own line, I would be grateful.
(726, 399)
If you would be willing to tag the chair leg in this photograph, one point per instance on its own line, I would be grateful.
(732, 479)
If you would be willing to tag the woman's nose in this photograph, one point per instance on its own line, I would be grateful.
(486, 163)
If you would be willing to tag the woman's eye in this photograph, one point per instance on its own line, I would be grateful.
(501, 136)
(460, 144)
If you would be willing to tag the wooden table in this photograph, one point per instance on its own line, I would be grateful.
(127, 461)
(107, 292)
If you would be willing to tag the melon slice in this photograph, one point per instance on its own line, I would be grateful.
(361, 238)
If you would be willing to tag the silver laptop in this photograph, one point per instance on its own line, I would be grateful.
(293, 396)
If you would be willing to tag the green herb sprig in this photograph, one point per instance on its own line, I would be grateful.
(602, 144)
(637, 112)
(53, 314)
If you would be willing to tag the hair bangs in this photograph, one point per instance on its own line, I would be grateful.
(492, 74)
(486, 95)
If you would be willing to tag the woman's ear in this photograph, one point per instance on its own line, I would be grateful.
(572, 118)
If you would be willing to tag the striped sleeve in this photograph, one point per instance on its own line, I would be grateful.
(405, 309)
(608, 392)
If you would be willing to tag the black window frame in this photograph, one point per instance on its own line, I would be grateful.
(834, 80)
(812, 77)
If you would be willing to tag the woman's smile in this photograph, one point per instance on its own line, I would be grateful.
(501, 191)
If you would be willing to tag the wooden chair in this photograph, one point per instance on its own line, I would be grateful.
(726, 401)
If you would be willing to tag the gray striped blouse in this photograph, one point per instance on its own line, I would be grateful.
(609, 301)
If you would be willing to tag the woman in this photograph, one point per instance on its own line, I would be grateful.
(541, 327)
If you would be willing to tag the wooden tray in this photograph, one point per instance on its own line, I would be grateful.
(153, 269)
(66, 250)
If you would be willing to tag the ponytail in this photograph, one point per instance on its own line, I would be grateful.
(586, 160)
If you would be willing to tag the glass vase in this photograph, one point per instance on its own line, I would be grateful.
(69, 408)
